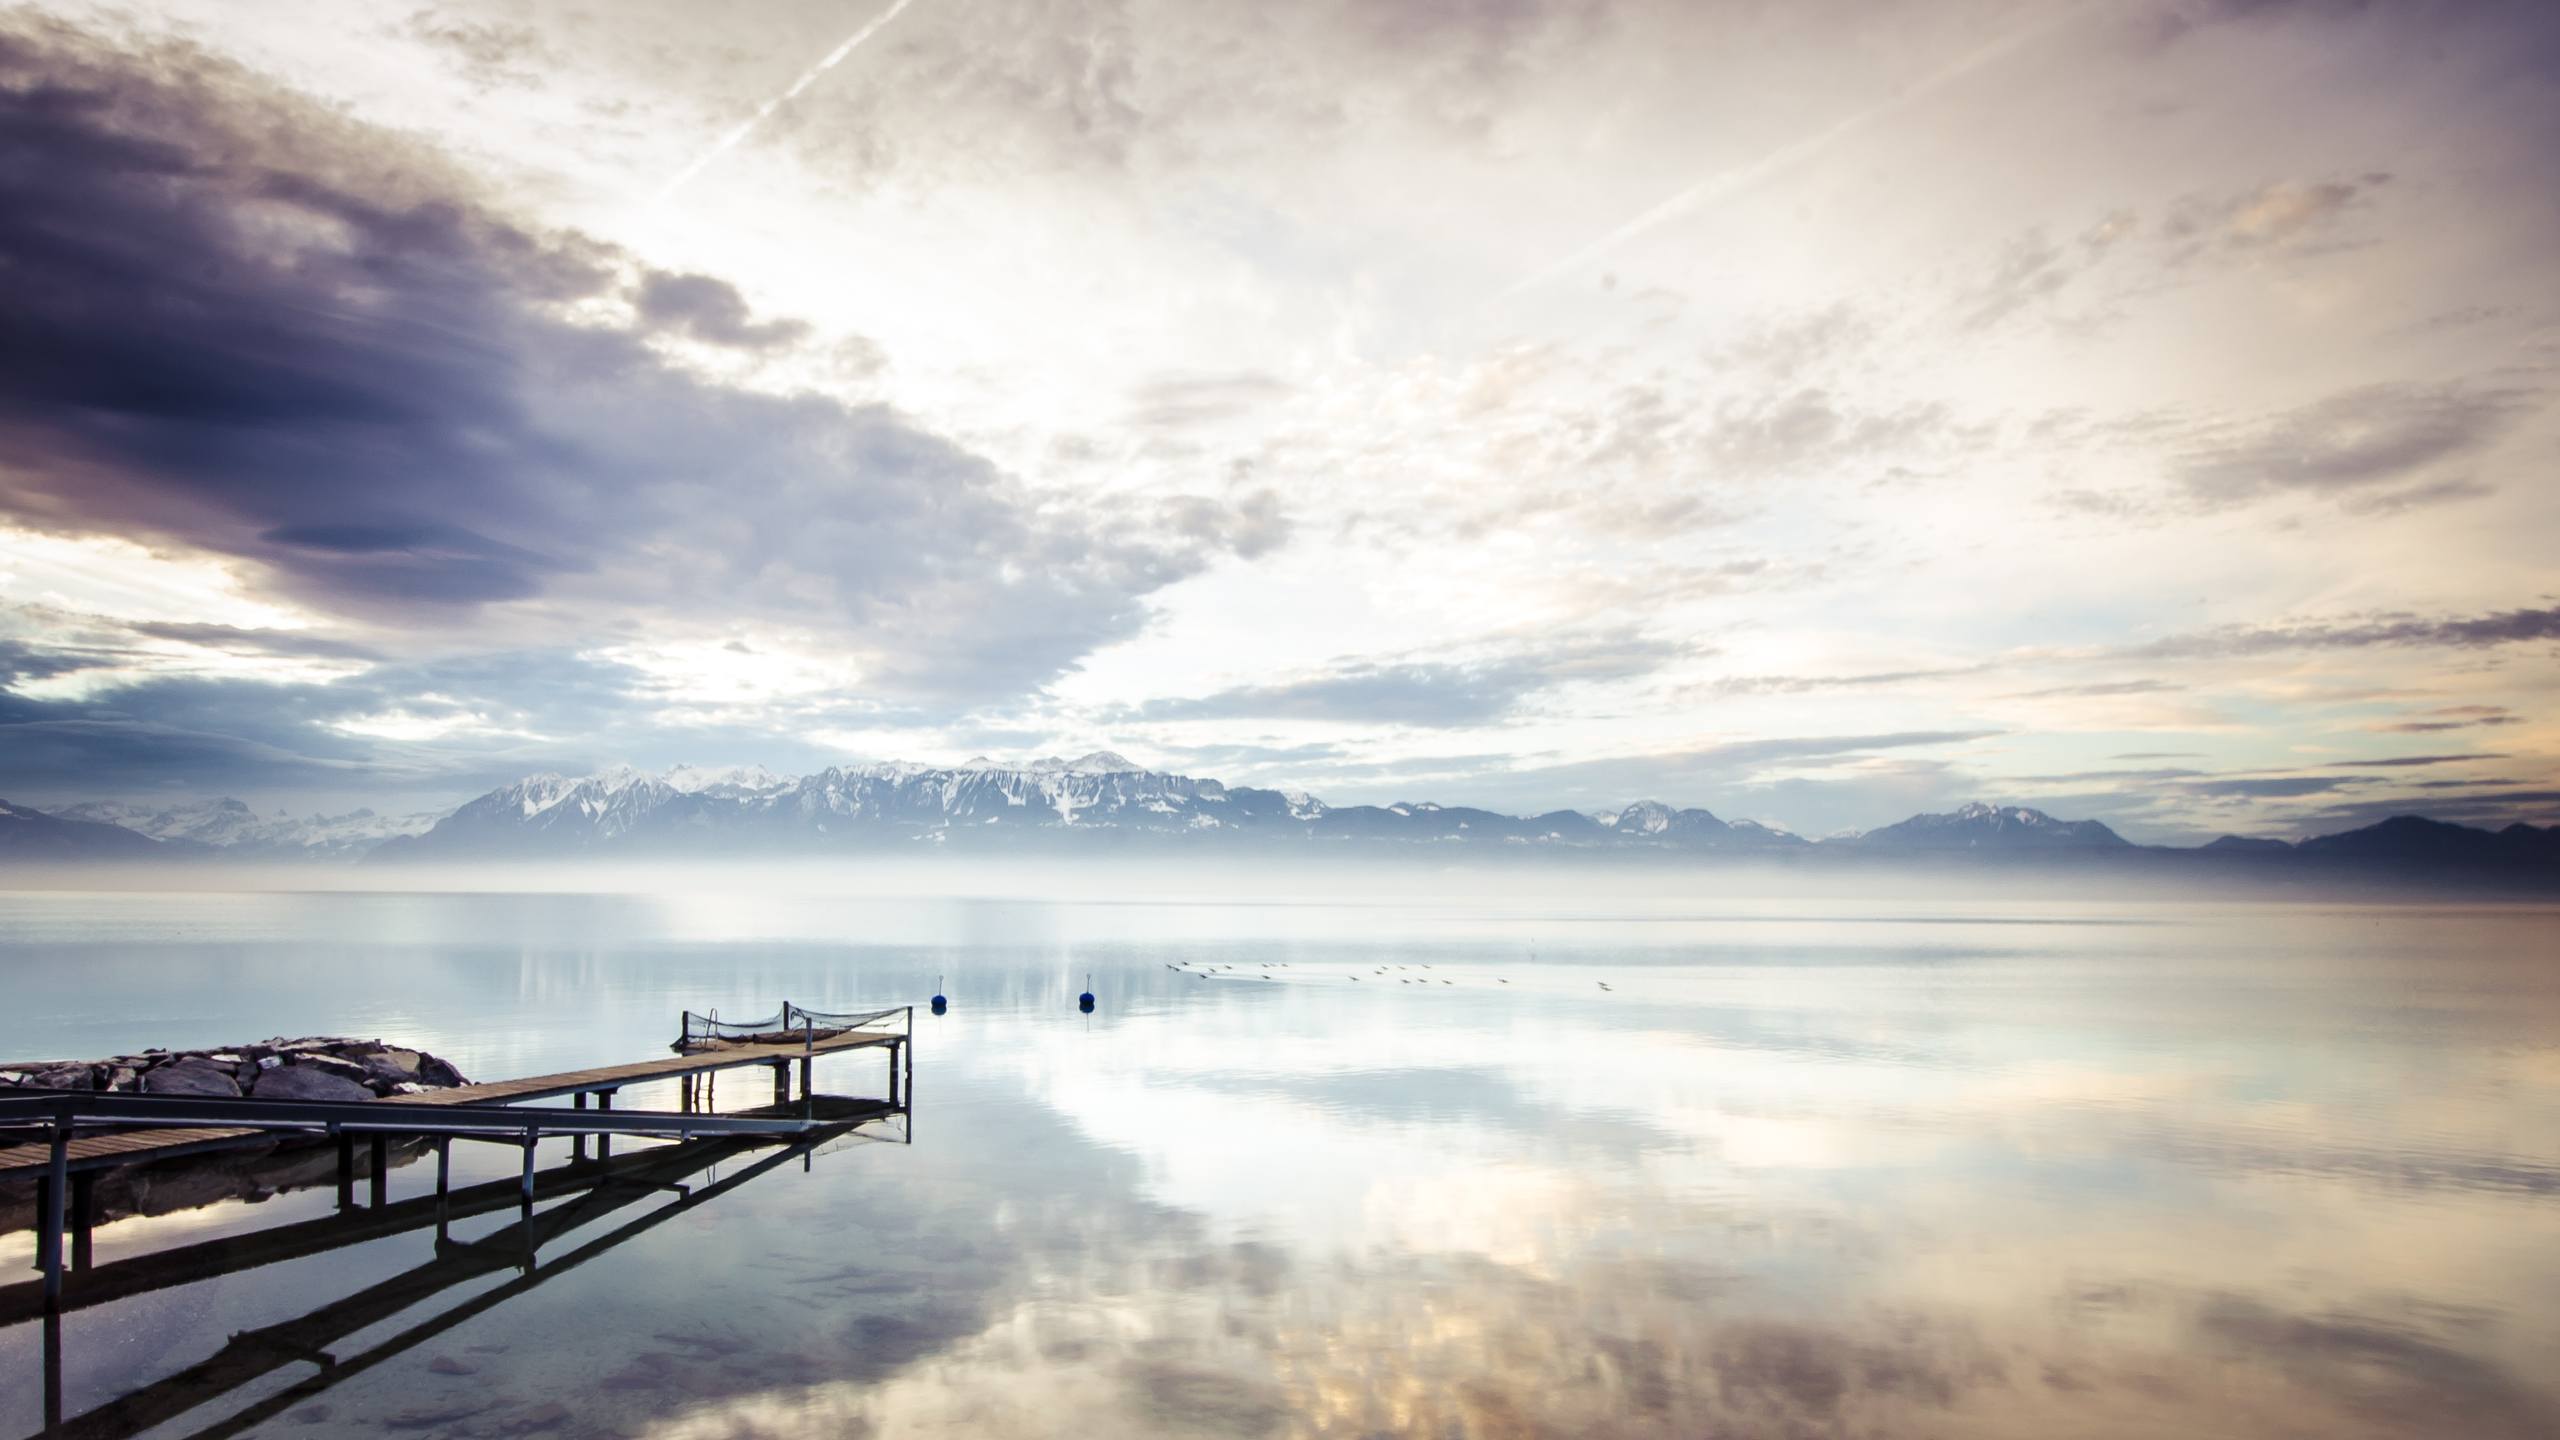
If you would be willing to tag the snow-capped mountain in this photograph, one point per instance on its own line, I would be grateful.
(1652, 822)
(729, 780)
(1990, 827)
(232, 827)
(30, 834)
(1093, 798)
(1104, 800)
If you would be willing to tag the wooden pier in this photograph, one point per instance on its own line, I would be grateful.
(141, 1147)
(80, 1133)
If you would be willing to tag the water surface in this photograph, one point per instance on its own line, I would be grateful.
(1798, 1169)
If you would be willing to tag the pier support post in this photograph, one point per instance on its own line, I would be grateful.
(532, 1137)
(56, 1184)
(52, 1371)
(804, 1077)
(381, 1157)
(444, 1187)
(604, 1143)
(781, 1081)
(346, 1168)
(578, 1144)
(84, 1219)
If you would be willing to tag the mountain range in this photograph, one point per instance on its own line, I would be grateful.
(1101, 801)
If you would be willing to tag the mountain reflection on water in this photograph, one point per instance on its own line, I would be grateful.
(2022, 1169)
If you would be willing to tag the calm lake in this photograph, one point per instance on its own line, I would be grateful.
(1486, 1169)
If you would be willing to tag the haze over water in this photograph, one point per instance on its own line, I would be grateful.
(1803, 1167)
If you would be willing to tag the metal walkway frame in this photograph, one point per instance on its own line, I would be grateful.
(593, 1191)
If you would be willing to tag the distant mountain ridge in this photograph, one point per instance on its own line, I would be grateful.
(27, 834)
(231, 827)
(1990, 827)
(1103, 800)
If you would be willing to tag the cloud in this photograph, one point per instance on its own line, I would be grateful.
(2450, 717)
(1432, 693)
(489, 54)
(710, 310)
(1785, 432)
(1732, 685)
(243, 325)
(2274, 786)
(1176, 401)
(2102, 689)
(482, 719)
(2396, 762)
(2282, 215)
(1251, 525)
(1818, 341)
(2505, 627)
(1747, 777)
(2356, 443)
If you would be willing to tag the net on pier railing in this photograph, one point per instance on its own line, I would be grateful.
(710, 1029)
(796, 1017)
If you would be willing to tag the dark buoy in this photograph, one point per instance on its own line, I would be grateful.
(1084, 1002)
(940, 1003)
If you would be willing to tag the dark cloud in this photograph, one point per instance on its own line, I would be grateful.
(238, 641)
(2401, 761)
(2450, 717)
(509, 713)
(2376, 443)
(2472, 632)
(240, 324)
(2263, 787)
(2487, 803)
(709, 309)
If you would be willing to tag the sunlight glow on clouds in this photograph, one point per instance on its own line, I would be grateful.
(1545, 404)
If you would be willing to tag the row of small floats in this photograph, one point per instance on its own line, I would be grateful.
(942, 1002)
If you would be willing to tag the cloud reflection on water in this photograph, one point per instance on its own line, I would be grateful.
(2245, 1173)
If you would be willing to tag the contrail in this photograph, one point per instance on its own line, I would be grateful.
(1724, 183)
(808, 77)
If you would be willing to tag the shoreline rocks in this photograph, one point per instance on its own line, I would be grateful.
(314, 1067)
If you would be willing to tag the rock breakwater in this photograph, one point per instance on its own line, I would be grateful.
(316, 1067)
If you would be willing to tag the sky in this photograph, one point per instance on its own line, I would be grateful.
(1818, 412)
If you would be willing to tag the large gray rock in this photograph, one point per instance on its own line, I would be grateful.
(190, 1077)
(329, 1065)
(307, 1082)
(66, 1077)
(398, 1063)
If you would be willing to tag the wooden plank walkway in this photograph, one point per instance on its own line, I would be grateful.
(139, 1147)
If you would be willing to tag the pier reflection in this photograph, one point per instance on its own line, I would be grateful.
(570, 1198)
